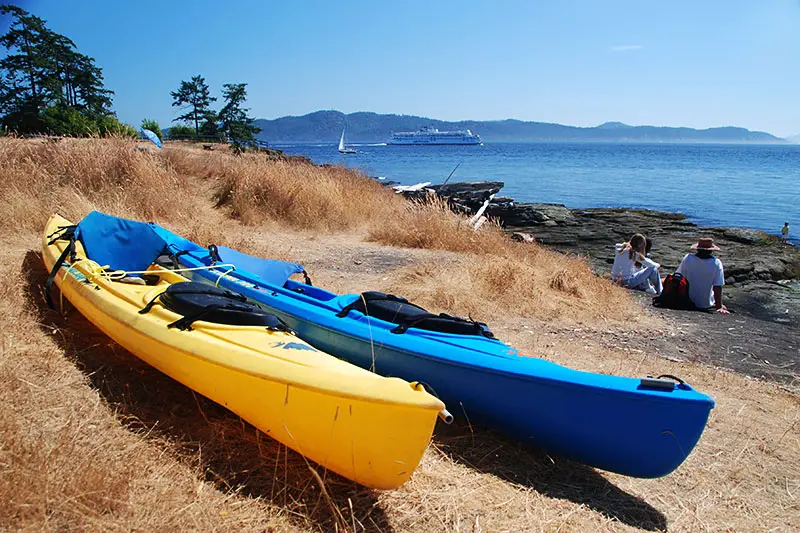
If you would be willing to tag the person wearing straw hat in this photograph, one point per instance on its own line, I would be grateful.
(705, 275)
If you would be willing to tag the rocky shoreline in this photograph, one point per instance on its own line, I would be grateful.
(761, 336)
(761, 272)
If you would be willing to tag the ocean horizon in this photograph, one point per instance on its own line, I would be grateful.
(737, 185)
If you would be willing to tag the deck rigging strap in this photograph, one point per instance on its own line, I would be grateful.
(371, 296)
(174, 257)
(185, 323)
(62, 233)
(474, 328)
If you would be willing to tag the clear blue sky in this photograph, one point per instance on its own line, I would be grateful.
(698, 63)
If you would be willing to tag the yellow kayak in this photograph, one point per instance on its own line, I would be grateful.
(371, 429)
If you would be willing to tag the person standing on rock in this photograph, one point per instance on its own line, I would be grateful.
(785, 232)
(705, 275)
(633, 269)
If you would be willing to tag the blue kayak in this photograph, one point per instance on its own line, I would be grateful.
(636, 427)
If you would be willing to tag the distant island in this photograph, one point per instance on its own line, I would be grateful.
(364, 127)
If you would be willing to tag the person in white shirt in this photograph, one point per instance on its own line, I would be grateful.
(705, 275)
(633, 269)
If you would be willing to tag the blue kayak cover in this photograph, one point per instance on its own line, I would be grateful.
(120, 243)
(269, 270)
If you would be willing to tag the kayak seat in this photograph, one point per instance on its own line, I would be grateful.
(398, 310)
(269, 271)
(119, 243)
(198, 301)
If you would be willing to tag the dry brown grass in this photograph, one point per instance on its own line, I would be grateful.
(257, 189)
(66, 460)
(93, 439)
(496, 275)
(74, 176)
(431, 224)
(487, 287)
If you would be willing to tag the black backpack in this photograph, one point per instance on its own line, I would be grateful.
(675, 294)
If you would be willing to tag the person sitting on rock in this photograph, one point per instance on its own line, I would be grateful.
(705, 275)
(633, 269)
(648, 245)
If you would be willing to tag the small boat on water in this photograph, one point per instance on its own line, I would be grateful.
(343, 149)
(368, 428)
(641, 427)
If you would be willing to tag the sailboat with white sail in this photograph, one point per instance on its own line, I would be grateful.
(343, 149)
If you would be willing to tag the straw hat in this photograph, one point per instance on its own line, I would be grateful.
(705, 243)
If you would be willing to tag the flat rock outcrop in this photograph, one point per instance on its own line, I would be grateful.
(761, 272)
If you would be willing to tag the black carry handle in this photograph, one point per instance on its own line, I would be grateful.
(670, 376)
(660, 383)
(444, 414)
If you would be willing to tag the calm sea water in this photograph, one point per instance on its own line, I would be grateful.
(753, 186)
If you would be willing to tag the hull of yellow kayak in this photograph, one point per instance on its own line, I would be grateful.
(371, 429)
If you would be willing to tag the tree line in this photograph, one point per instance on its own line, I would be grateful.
(48, 86)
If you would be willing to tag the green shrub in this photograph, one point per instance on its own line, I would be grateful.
(70, 122)
(152, 125)
(110, 126)
(181, 131)
(65, 120)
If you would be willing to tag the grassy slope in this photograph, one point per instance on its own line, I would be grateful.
(91, 438)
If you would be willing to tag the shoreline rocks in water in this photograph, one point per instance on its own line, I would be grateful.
(761, 272)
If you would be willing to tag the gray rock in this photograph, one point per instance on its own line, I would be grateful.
(753, 260)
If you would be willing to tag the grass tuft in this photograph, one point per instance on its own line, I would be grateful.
(258, 190)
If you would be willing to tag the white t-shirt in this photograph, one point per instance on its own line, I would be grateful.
(702, 275)
(624, 267)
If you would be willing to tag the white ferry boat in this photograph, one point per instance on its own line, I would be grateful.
(429, 135)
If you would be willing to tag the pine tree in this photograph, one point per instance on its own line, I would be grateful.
(24, 71)
(193, 96)
(43, 75)
(235, 124)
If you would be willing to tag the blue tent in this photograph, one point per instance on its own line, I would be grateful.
(152, 136)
